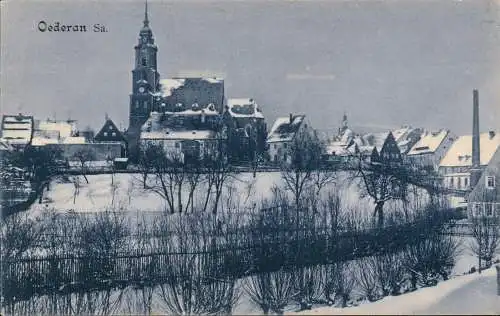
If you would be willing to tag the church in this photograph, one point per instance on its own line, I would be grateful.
(162, 106)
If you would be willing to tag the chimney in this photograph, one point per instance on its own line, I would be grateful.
(291, 118)
(476, 159)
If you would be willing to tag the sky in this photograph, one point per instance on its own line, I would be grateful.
(384, 63)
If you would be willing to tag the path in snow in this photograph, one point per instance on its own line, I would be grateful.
(469, 294)
(476, 297)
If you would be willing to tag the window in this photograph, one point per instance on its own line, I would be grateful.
(451, 182)
(498, 209)
(105, 134)
(113, 134)
(144, 61)
(176, 144)
(490, 182)
(136, 104)
(145, 104)
(284, 145)
(489, 209)
(284, 157)
(477, 209)
(110, 127)
(459, 183)
(275, 146)
(466, 182)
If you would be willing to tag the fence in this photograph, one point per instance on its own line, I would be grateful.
(232, 255)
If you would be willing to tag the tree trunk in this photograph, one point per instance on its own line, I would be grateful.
(379, 210)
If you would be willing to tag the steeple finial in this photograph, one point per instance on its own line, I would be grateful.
(146, 20)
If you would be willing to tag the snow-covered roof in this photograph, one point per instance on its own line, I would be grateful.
(210, 110)
(74, 140)
(42, 141)
(401, 136)
(18, 119)
(65, 128)
(284, 129)
(17, 129)
(168, 85)
(460, 152)
(213, 79)
(178, 135)
(429, 143)
(244, 107)
(340, 148)
(401, 133)
(375, 139)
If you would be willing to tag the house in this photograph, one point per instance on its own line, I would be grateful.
(111, 135)
(281, 135)
(53, 132)
(456, 165)
(345, 145)
(430, 149)
(405, 138)
(247, 129)
(484, 200)
(389, 153)
(17, 130)
(192, 133)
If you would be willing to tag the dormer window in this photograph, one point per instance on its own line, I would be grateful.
(490, 182)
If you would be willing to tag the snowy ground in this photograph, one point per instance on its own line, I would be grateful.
(127, 192)
(469, 294)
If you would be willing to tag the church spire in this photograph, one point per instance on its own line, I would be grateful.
(146, 20)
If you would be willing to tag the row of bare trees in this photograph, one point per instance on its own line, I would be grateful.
(370, 278)
(186, 185)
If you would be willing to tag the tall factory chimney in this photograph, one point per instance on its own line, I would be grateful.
(476, 158)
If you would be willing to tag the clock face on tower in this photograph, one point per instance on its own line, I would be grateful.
(141, 89)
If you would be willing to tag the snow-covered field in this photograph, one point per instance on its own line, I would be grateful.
(126, 193)
(468, 294)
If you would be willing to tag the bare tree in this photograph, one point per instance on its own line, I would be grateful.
(270, 291)
(305, 152)
(76, 187)
(340, 282)
(148, 157)
(486, 239)
(380, 182)
(218, 171)
(84, 156)
(366, 279)
(41, 163)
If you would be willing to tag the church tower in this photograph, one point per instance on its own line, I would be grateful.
(145, 77)
(145, 80)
